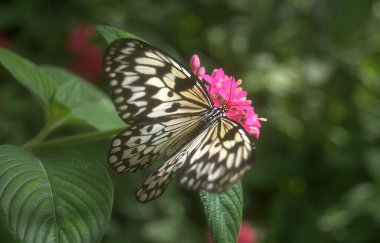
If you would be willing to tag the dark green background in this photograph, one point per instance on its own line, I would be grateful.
(312, 67)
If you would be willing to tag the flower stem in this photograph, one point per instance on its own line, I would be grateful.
(75, 139)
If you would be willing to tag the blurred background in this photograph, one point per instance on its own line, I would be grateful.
(311, 67)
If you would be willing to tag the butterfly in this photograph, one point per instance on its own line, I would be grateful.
(171, 115)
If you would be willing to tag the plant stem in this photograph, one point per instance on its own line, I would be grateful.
(45, 131)
(75, 139)
(39, 137)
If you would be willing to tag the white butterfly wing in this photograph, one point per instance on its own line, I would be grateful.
(148, 85)
(162, 100)
(140, 144)
(214, 161)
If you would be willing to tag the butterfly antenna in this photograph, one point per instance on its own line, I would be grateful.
(229, 98)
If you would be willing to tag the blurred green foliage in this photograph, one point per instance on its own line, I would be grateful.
(312, 67)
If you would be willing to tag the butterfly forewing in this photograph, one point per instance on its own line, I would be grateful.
(215, 160)
(148, 84)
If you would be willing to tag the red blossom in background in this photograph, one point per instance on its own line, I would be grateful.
(87, 57)
(225, 90)
(247, 234)
(4, 42)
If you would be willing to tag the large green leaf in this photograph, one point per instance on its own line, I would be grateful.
(62, 76)
(69, 93)
(224, 213)
(111, 33)
(83, 101)
(95, 108)
(29, 75)
(59, 196)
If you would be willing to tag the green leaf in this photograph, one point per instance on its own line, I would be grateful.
(29, 75)
(59, 196)
(224, 213)
(110, 33)
(69, 94)
(99, 115)
(84, 102)
(94, 107)
(62, 76)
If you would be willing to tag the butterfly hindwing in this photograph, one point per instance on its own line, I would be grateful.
(215, 160)
(147, 84)
(155, 185)
(218, 158)
(137, 146)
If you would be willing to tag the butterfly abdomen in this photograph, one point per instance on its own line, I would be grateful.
(210, 117)
(170, 151)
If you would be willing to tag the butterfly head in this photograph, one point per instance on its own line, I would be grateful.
(224, 109)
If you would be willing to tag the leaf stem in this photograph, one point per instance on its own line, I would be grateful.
(45, 131)
(75, 139)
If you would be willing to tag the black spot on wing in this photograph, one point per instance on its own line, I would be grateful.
(183, 86)
(174, 107)
(149, 129)
(230, 134)
(150, 89)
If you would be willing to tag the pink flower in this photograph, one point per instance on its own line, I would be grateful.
(225, 90)
(87, 57)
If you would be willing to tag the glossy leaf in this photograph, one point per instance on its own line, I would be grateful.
(30, 75)
(59, 196)
(224, 213)
(95, 108)
(111, 33)
(69, 93)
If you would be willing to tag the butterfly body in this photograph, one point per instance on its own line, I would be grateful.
(215, 113)
(170, 114)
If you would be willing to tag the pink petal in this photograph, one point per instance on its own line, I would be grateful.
(195, 63)
(201, 72)
(209, 79)
(224, 90)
